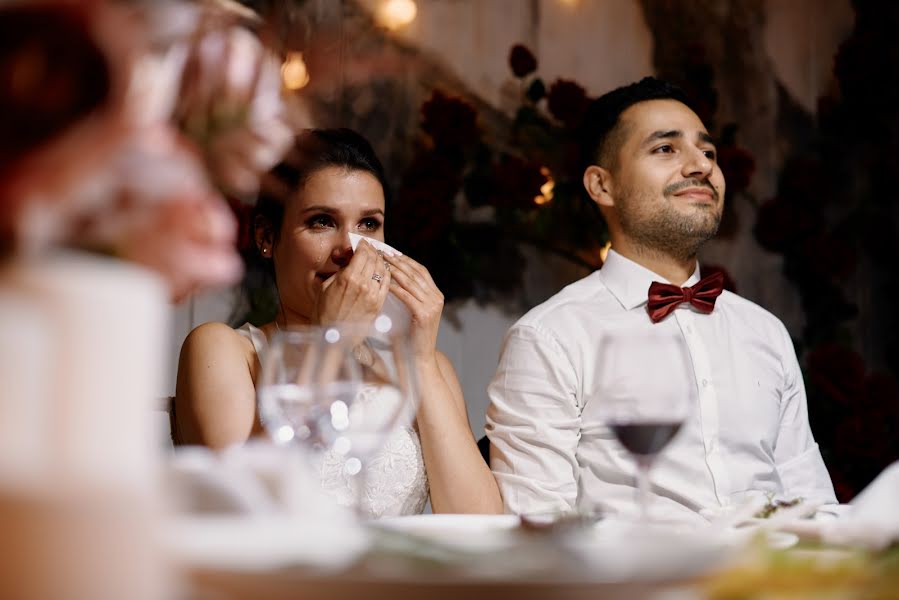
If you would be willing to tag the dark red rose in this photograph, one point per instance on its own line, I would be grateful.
(837, 372)
(858, 438)
(449, 121)
(522, 61)
(516, 183)
(738, 167)
(424, 209)
(567, 102)
(729, 283)
(805, 181)
(829, 257)
(781, 223)
(880, 397)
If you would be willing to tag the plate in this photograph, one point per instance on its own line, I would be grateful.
(476, 533)
(263, 543)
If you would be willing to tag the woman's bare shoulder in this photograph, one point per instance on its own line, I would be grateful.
(216, 339)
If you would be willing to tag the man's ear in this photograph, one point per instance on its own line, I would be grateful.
(598, 183)
(263, 236)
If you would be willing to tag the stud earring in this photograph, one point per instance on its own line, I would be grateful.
(265, 251)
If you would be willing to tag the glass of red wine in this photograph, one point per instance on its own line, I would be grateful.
(649, 393)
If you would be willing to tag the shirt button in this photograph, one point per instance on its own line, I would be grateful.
(705, 383)
(689, 329)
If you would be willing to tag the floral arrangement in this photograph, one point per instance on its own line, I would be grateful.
(122, 128)
(468, 202)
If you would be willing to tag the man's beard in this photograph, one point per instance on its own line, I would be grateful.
(660, 227)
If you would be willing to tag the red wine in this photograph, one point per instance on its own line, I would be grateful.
(645, 438)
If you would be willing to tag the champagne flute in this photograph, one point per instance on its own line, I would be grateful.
(652, 392)
(339, 392)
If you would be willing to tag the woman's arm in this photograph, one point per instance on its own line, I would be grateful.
(460, 480)
(215, 397)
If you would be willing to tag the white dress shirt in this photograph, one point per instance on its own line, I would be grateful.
(747, 428)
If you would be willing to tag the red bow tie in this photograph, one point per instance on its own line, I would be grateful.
(664, 297)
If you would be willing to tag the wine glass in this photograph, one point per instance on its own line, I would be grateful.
(338, 392)
(649, 393)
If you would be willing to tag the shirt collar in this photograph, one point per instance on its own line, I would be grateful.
(629, 282)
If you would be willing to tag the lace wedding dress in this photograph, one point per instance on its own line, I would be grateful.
(395, 479)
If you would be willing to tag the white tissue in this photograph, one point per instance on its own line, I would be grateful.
(393, 308)
(355, 238)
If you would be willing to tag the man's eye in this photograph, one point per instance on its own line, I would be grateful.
(710, 154)
(666, 149)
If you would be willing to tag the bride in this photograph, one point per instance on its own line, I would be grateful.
(332, 184)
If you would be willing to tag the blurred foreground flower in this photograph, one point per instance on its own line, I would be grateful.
(229, 98)
(91, 158)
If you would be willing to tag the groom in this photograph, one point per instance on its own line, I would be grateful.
(655, 178)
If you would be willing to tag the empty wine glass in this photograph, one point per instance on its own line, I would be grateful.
(339, 392)
(650, 391)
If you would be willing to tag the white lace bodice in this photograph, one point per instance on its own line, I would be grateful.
(396, 482)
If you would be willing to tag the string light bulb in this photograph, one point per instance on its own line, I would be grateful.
(394, 14)
(546, 190)
(294, 73)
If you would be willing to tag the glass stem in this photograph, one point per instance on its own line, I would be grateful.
(643, 489)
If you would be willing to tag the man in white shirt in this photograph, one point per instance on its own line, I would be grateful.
(655, 178)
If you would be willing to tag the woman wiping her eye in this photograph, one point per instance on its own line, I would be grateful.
(329, 186)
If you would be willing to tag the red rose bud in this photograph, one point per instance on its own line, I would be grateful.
(567, 102)
(522, 61)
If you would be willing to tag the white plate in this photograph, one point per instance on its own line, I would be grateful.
(463, 532)
(263, 543)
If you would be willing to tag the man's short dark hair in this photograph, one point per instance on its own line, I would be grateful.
(602, 135)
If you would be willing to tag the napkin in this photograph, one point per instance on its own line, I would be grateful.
(393, 308)
(255, 479)
(871, 520)
(255, 507)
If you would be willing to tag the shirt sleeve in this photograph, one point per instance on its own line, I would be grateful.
(799, 462)
(533, 423)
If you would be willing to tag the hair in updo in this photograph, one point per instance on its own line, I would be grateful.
(313, 150)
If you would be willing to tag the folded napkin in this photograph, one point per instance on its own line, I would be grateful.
(872, 519)
(257, 478)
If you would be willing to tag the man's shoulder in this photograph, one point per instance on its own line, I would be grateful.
(585, 299)
(753, 315)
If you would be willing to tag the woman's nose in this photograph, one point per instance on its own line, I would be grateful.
(342, 252)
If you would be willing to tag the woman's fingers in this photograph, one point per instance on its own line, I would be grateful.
(406, 276)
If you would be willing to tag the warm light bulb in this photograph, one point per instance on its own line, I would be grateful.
(546, 190)
(294, 72)
(394, 14)
(604, 251)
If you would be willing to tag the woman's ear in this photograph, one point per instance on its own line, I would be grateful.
(598, 183)
(263, 236)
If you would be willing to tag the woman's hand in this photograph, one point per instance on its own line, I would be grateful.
(356, 293)
(413, 285)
